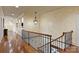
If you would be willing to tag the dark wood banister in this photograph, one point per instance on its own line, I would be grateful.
(51, 41)
(38, 33)
(46, 35)
(55, 40)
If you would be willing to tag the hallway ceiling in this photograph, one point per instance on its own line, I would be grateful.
(14, 12)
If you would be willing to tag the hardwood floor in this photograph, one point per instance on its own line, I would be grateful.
(72, 49)
(15, 45)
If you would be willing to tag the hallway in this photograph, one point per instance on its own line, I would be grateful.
(29, 28)
(14, 44)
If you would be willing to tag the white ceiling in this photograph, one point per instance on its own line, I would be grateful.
(9, 10)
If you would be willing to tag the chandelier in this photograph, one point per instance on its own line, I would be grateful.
(35, 21)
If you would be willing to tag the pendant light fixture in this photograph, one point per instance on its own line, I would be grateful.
(35, 18)
(17, 6)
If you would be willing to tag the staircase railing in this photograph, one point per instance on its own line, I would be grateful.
(36, 40)
(43, 43)
(52, 45)
(59, 44)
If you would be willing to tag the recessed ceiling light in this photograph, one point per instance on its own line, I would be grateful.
(17, 6)
(12, 14)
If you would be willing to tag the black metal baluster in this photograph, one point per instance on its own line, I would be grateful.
(47, 38)
(28, 38)
(43, 42)
(62, 46)
(59, 42)
(50, 44)
(57, 45)
(65, 41)
(54, 45)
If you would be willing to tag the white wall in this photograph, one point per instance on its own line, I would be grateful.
(1, 22)
(61, 20)
(28, 22)
(10, 24)
(1, 12)
(55, 22)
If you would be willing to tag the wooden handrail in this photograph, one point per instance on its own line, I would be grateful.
(57, 47)
(49, 36)
(38, 33)
(51, 41)
(64, 42)
(68, 32)
(55, 39)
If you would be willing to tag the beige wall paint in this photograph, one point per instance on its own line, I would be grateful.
(1, 12)
(10, 23)
(28, 22)
(1, 22)
(55, 22)
(60, 20)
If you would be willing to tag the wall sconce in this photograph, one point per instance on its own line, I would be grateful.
(35, 21)
(22, 24)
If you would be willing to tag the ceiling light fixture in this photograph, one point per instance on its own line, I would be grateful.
(12, 14)
(35, 20)
(17, 6)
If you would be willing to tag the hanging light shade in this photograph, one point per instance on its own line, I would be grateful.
(35, 20)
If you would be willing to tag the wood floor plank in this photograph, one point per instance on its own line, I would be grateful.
(15, 45)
